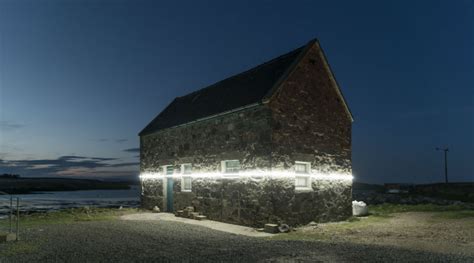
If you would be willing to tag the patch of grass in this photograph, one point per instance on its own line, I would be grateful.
(71, 215)
(456, 214)
(353, 219)
(387, 209)
(15, 248)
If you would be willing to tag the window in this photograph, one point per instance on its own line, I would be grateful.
(230, 166)
(302, 182)
(168, 169)
(302, 177)
(186, 184)
(186, 180)
(186, 168)
(302, 167)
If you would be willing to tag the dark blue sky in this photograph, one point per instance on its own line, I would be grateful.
(80, 79)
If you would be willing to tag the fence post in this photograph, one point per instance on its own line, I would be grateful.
(11, 212)
(17, 217)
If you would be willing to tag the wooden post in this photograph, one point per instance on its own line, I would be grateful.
(11, 212)
(17, 217)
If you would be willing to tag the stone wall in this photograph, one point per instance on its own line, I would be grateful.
(244, 135)
(310, 122)
(152, 193)
(256, 201)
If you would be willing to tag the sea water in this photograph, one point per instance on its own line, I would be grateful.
(51, 201)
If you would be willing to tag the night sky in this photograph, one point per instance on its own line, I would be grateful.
(80, 79)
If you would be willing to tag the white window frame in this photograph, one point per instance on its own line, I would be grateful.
(186, 164)
(165, 170)
(183, 188)
(186, 176)
(224, 168)
(306, 175)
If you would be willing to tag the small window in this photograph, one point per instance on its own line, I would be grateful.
(302, 167)
(168, 169)
(302, 178)
(302, 182)
(186, 184)
(186, 168)
(230, 166)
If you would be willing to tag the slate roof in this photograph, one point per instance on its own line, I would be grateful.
(240, 90)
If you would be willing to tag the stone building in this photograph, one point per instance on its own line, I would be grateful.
(269, 145)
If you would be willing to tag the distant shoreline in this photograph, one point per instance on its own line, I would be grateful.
(32, 185)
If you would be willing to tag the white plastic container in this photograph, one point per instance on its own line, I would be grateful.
(359, 208)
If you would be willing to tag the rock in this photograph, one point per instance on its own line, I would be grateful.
(7, 237)
(156, 209)
(312, 223)
(179, 213)
(193, 215)
(200, 217)
(284, 228)
(188, 212)
(260, 229)
(271, 228)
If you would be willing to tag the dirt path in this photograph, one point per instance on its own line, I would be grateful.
(215, 225)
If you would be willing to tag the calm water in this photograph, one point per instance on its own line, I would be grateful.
(50, 201)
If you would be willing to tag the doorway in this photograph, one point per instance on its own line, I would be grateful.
(169, 194)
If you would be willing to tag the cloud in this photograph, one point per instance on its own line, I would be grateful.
(122, 140)
(61, 165)
(74, 157)
(124, 164)
(132, 150)
(10, 126)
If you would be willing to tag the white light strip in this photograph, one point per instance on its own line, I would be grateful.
(255, 174)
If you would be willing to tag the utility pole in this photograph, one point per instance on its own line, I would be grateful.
(445, 161)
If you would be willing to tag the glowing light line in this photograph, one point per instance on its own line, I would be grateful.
(255, 174)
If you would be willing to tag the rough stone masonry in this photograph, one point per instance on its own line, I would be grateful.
(301, 117)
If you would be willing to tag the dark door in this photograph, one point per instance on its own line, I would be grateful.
(169, 194)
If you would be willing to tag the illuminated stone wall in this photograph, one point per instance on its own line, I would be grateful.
(256, 202)
(152, 193)
(243, 135)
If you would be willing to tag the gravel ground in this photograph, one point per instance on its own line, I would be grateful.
(166, 241)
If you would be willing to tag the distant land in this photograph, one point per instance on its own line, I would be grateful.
(19, 185)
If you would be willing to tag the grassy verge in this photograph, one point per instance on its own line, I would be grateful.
(66, 216)
(71, 215)
(442, 211)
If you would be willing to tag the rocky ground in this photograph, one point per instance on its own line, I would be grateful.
(407, 237)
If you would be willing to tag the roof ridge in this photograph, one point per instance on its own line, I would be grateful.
(244, 72)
